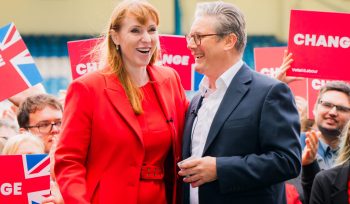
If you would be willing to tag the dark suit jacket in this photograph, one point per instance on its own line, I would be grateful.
(330, 186)
(255, 139)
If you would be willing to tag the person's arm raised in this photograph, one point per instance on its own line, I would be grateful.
(286, 64)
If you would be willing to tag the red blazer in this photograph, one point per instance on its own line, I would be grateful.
(100, 151)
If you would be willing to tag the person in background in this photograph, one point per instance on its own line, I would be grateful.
(332, 185)
(7, 130)
(241, 138)
(41, 115)
(332, 112)
(24, 143)
(8, 112)
(122, 125)
(306, 124)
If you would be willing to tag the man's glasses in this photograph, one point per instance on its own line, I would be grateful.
(197, 38)
(46, 127)
(329, 106)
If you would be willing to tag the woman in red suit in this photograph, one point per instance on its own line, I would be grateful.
(122, 125)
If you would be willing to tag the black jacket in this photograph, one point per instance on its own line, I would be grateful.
(330, 186)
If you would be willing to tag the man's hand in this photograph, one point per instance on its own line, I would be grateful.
(310, 150)
(199, 171)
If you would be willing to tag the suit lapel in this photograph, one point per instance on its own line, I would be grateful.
(161, 85)
(118, 98)
(234, 94)
(190, 117)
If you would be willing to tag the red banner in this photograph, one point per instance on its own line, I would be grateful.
(80, 58)
(269, 59)
(320, 43)
(24, 178)
(176, 55)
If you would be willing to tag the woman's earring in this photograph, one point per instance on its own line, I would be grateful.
(117, 47)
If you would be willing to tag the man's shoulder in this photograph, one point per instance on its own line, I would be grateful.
(264, 79)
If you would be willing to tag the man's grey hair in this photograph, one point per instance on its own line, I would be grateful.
(230, 20)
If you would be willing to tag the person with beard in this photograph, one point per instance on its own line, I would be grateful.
(319, 147)
(241, 136)
(332, 112)
(332, 185)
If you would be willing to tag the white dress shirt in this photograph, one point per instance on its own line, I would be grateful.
(205, 115)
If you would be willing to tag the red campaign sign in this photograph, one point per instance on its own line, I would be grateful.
(24, 178)
(174, 53)
(80, 58)
(320, 43)
(269, 59)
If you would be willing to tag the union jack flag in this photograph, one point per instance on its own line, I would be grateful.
(17, 68)
(25, 179)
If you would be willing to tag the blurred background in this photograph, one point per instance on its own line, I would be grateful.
(47, 25)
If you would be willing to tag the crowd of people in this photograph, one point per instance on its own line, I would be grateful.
(126, 133)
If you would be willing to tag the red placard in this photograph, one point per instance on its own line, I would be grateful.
(320, 43)
(24, 178)
(80, 58)
(269, 59)
(176, 55)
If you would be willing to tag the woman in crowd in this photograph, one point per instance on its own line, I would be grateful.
(122, 125)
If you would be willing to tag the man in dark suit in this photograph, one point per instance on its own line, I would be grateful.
(241, 135)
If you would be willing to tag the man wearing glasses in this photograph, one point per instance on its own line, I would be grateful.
(241, 137)
(332, 112)
(41, 115)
